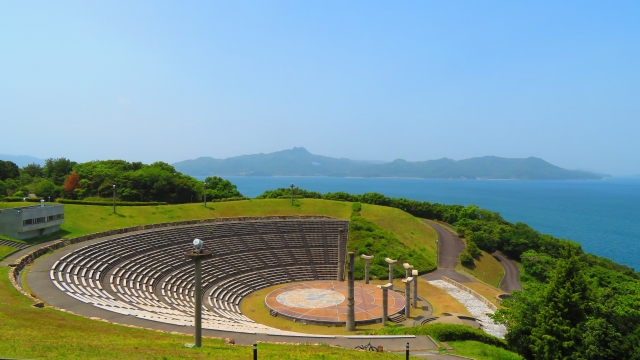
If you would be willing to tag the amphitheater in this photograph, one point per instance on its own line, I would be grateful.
(142, 278)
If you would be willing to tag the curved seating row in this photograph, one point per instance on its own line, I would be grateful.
(146, 274)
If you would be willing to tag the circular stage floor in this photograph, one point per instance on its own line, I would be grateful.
(325, 302)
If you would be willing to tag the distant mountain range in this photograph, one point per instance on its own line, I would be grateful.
(22, 160)
(300, 162)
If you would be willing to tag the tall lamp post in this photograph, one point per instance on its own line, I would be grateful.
(205, 194)
(114, 199)
(292, 186)
(197, 255)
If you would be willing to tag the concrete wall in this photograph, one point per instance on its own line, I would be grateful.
(12, 221)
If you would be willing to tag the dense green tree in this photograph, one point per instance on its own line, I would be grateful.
(45, 187)
(484, 241)
(519, 314)
(58, 169)
(156, 182)
(566, 303)
(3, 189)
(8, 170)
(538, 265)
(219, 188)
(34, 170)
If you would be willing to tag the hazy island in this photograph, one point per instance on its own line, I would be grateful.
(300, 162)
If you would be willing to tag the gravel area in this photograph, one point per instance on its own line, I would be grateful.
(477, 308)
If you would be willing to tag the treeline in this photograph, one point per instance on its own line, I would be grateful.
(94, 180)
(574, 305)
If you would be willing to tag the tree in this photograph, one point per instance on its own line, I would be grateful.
(58, 169)
(71, 183)
(219, 188)
(565, 305)
(484, 241)
(34, 170)
(44, 188)
(8, 170)
(3, 189)
(518, 313)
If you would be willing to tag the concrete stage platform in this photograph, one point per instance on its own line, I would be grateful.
(325, 303)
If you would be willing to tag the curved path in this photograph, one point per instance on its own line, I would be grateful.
(449, 248)
(511, 279)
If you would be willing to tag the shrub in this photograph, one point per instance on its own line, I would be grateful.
(356, 207)
(466, 259)
(110, 203)
(444, 332)
(472, 249)
(229, 199)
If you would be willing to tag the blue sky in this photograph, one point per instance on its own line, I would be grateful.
(418, 80)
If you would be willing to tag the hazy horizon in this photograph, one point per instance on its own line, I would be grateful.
(149, 81)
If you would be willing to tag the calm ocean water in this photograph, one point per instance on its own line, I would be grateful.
(604, 216)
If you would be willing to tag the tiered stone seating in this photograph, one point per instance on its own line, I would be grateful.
(146, 274)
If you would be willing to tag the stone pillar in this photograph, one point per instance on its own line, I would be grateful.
(391, 262)
(407, 269)
(341, 256)
(351, 321)
(385, 303)
(414, 274)
(366, 258)
(407, 272)
(407, 296)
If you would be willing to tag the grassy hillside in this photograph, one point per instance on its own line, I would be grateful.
(413, 232)
(486, 268)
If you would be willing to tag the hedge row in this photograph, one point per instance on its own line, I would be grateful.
(18, 199)
(229, 199)
(443, 332)
(110, 203)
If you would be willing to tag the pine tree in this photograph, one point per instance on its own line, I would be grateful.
(564, 308)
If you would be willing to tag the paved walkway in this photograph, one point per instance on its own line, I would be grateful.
(449, 249)
(511, 280)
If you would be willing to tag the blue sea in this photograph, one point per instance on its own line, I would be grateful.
(603, 215)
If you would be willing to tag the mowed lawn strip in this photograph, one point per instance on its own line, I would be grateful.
(482, 351)
(5, 250)
(486, 269)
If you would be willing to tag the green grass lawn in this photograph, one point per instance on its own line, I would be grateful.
(481, 351)
(5, 250)
(486, 269)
